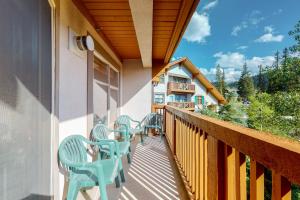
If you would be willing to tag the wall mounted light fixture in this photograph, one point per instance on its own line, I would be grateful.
(85, 42)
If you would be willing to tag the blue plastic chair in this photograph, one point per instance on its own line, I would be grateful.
(152, 121)
(125, 120)
(83, 174)
(100, 133)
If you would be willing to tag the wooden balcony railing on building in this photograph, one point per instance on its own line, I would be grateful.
(174, 87)
(211, 155)
(183, 105)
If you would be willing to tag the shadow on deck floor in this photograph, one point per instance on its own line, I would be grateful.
(152, 175)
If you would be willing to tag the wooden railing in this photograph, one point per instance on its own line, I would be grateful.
(181, 87)
(186, 105)
(211, 156)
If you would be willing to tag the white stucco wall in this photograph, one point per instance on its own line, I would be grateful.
(181, 70)
(201, 90)
(136, 89)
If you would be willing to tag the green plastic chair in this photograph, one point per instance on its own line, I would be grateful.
(125, 120)
(100, 133)
(83, 174)
(152, 121)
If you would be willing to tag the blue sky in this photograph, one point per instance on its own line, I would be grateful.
(232, 32)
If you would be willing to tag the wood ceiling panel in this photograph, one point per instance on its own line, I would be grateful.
(116, 28)
(113, 19)
(165, 12)
(166, 5)
(121, 32)
(107, 6)
(110, 12)
(164, 18)
(164, 22)
(93, 1)
(129, 54)
(115, 24)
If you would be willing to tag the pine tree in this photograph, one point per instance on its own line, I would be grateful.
(219, 85)
(245, 84)
(277, 59)
(261, 80)
(223, 83)
(285, 56)
(296, 35)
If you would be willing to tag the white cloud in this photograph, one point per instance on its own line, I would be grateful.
(232, 62)
(210, 5)
(254, 18)
(236, 30)
(231, 74)
(175, 58)
(269, 29)
(242, 47)
(269, 36)
(254, 62)
(295, 55)
(198, 28)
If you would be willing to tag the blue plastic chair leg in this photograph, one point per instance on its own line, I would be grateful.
(72, 191)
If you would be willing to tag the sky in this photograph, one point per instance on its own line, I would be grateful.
(232, 32)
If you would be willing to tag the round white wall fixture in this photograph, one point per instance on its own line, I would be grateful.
(85, 43)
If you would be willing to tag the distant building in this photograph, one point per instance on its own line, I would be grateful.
(181, 84)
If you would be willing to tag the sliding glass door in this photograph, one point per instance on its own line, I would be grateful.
(114, 95)
(100, 91)
(105, 93)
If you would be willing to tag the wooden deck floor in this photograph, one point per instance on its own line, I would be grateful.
(152, 175)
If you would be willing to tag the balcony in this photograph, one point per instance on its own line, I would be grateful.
(183, 105)
(182, 88)
(205, 158)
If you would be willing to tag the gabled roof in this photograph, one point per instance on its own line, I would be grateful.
(196, 73)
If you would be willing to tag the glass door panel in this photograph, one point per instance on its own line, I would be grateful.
(100, 92)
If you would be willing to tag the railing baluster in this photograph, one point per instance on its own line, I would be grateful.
(257, 179)
(281, 187)
(205, 167)
(191, 155)
(241, 185)
(197, 163)
(202, 165)
(215, 169)
(188, 154)
(194, 163)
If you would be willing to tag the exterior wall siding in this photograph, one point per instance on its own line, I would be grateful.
(136, 89)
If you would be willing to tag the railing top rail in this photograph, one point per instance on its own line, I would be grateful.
(274, 152)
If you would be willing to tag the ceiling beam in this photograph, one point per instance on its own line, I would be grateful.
(142, 15)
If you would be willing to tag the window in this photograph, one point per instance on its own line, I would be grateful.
(159, 98)
(199, 100)
(181, 98)
(162, 78)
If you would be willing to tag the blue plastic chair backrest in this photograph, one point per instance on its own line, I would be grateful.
(121, 120)
(72, 150)
(152, 119)
(100, 131)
